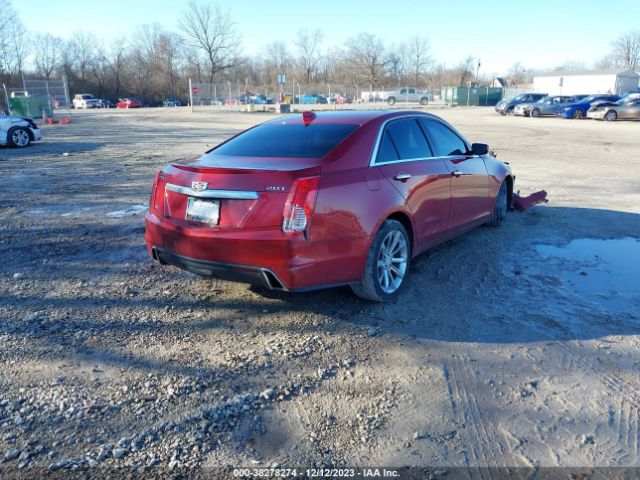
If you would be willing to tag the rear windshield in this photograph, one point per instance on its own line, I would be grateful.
(286, 140)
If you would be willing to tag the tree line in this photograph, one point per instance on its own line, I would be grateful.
(154, 63)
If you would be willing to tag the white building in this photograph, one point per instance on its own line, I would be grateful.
(617, 81)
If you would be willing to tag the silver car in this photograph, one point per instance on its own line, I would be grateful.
(18, 132)
(627, 108)
(546, 106)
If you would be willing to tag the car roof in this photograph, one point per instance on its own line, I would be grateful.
(354, 117)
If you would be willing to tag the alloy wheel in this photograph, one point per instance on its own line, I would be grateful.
(20, 137)
(392, 261)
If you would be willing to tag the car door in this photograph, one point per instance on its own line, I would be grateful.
(630, 110)
(404, 157)
(469, 179)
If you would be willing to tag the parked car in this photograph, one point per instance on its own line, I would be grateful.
(310, 200)
(85, 100)
(260, 99)
(171, 102)
(548, 105)
(312, 98)
(18, 132)
(627, 108)
(129, 103)
(505, 107)
(406, 95)
(340, 98)
(105, 103)
(579, 109)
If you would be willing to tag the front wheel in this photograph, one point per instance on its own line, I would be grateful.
(535, 113)
(387, 264)
(509, 111)
(501, 206)
(578, 114)
(391, 100)
(424, 101)
(18, 137)
(611, 115)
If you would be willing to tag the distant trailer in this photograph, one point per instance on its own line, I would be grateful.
(616, 81)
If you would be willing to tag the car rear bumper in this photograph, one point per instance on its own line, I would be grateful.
(265, 257)
(224, 271)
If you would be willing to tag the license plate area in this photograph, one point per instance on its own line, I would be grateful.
(203, 211)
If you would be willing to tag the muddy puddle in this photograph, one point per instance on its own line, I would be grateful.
(605, 271)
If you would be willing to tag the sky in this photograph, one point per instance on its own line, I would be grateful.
(539, 34)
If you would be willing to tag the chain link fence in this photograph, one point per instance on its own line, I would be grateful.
(36, 97)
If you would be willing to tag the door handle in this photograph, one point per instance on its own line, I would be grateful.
(457, 173)
(402, 177)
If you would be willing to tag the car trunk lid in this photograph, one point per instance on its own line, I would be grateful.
(250, 192)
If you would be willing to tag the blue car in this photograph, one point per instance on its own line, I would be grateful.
(579, 109)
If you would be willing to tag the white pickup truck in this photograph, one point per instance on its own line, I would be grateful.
(85, 100)
(406, 95)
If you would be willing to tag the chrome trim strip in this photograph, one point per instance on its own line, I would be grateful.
(230, 194)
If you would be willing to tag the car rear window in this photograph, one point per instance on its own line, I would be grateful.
(286, 140)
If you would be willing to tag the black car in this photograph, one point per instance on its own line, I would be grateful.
(505, 107)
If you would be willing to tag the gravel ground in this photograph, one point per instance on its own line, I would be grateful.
(508, 348)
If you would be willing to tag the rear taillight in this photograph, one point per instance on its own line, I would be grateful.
(153, 191)
(299, 205)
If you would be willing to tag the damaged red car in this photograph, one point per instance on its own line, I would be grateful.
(310, 201)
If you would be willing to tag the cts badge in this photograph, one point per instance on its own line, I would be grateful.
(199, 186)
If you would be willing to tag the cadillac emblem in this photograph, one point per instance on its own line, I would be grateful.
(199, 186)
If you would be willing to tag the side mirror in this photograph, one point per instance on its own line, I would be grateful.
(479, 148)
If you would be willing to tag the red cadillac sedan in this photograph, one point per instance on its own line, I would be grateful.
(310, 201)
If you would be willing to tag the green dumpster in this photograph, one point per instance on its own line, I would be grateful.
(31, 106)
(472, 96)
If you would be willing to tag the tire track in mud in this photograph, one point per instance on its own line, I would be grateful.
(627, 416)
(484, 443)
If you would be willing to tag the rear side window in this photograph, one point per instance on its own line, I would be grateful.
(286, 140)
(387, 150)
(445, 142)
(408, 139)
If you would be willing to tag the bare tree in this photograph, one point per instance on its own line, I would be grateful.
(276, 60)
(367, 54)
(465, 70)
(606, 62)
(626, 50)
(396, 63)
(418, 57)
(13, 47)
(211, 31)
(115, 61)
(308, 45)
(82, 53)
(48, 53)
(570, 66)
(517, 73)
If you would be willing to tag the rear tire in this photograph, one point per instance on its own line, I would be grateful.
(611, 115)
(391, 100)
(387, 266)
(424, 101)
(501, 206)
